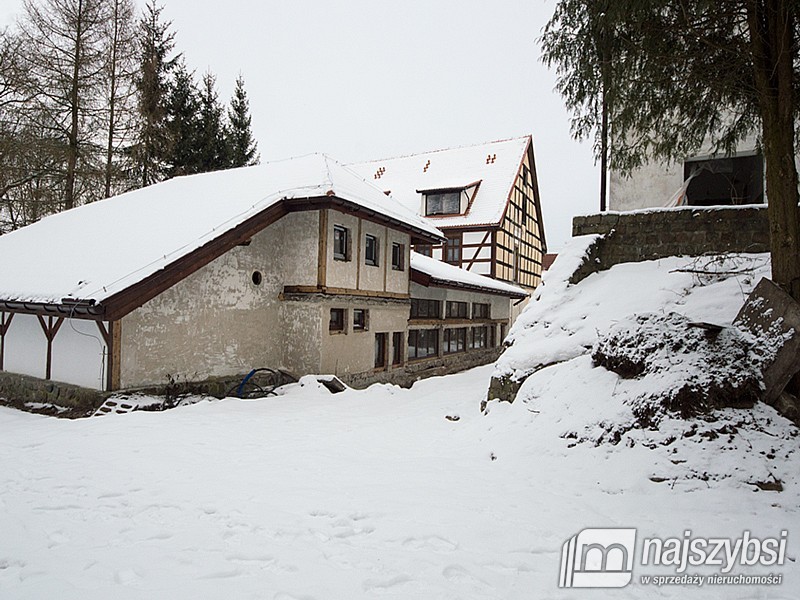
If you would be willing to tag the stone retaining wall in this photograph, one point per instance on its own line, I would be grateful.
(685, 231)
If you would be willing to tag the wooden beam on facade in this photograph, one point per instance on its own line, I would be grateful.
(5, 323)
(322, 252)
(50, 329)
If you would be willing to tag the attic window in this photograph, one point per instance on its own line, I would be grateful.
(443, 203)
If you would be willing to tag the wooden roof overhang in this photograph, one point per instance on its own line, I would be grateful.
(123, 302)
(430, 281)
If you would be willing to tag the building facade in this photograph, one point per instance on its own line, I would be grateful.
(317, 278)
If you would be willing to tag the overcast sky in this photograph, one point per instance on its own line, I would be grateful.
(369, 79)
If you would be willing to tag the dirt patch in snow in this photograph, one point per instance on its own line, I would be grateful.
(684, 367)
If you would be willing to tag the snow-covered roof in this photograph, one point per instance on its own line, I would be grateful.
(450, 275)
(494, 165)
(95, 251)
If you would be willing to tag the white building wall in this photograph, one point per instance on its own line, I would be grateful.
(79, 354)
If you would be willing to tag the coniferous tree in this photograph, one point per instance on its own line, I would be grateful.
(183, 118)
(242, 147)
(153, 145)
(212, 151)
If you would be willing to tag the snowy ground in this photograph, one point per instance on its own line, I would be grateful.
(378, 494)
(371, 494)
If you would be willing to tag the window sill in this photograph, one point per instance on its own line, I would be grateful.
(334, 332)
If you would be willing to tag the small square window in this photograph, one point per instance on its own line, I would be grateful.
(341, 237)
(398, 256)
(371, 250)
(360, 319)
(337, 319)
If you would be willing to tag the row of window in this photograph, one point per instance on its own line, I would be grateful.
(342, 249)
(420, 309)
(432, 309)
(424, 343)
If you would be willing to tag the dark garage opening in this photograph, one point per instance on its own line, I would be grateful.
(725, 181)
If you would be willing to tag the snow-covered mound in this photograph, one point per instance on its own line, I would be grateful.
(563, 320)
(651, 325)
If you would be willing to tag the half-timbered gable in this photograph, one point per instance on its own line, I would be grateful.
(484, 198)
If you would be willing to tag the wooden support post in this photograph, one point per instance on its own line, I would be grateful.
(111, 336)
(50, 329)
(322, 257)
(5, 323)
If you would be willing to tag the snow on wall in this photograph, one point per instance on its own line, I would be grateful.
(78, 356)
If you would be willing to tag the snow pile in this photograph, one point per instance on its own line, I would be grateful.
(726, 449)
(680, 366)
(563, 320)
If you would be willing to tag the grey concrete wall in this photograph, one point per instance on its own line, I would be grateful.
(689, 231)
(352, 352)
(355, 273)
(217, 321)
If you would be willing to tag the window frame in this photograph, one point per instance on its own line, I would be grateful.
(483, 337)
(418, 303)
(398, 256)
(381, 354)
(364, 325)
(342, 254)
(372, 261)
(484, 308)
(342, 328)
(452, 313)
(442, 198)
(452, 249)
(454, 336)
(431, 341)
(397, 348)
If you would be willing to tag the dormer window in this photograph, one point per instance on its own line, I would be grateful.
(443, 203)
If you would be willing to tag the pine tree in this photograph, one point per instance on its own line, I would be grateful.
(242, 148)
(153, 145)
(212, 151)
(183, 118)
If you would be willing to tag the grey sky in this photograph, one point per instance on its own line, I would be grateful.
(364, 79)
